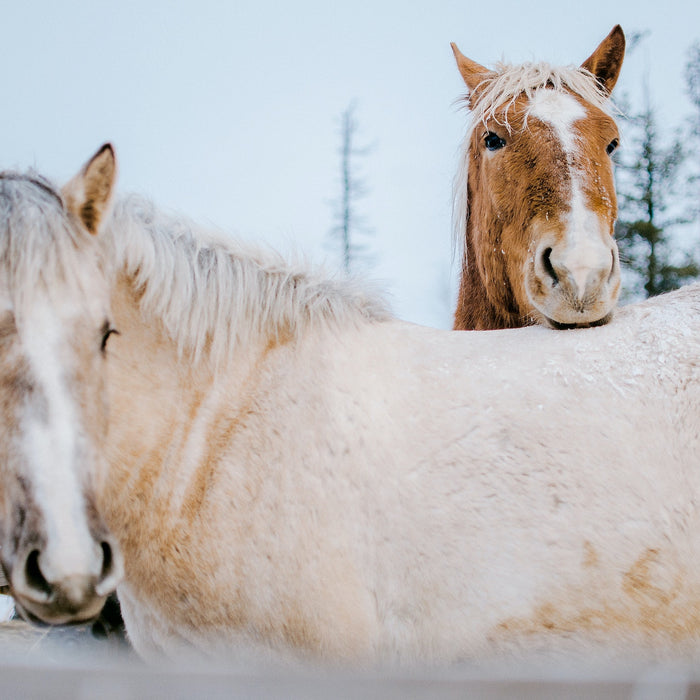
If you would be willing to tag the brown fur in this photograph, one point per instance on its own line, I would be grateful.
(523, 192)
(503, 203)
(606, 61)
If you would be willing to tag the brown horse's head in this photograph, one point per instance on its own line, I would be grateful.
(57, 555)
(536, 197)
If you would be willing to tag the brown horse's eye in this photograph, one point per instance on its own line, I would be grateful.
(612, 146)
(493, 141)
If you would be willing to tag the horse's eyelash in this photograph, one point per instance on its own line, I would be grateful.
(107, 330)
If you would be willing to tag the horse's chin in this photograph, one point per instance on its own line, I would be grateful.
(557, 325)
(49, 616)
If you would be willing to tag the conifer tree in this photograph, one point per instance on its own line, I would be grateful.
(349, 223)
(692, 81)
(649, 200)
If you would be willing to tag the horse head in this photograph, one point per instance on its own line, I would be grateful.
(56, 552)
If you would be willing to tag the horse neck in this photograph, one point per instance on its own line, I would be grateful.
(162, 407)
(476, 309)
(180, 445)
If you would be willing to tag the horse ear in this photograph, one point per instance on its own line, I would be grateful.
(606, 61)
(472, 72)
(89, 194)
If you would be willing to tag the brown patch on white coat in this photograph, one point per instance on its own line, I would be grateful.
(652, 599)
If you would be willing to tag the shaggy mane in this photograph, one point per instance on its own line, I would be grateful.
(40, 248)
(504, 87)
(212, 293)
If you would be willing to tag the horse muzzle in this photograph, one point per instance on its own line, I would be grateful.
(50, 593)
(574, 288)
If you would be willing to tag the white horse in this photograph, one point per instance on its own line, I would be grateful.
(294, 473)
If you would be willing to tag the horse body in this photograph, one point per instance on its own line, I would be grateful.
(374, 491)
(365, 506)
(535, 198)
(290, 473)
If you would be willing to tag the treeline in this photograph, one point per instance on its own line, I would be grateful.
(658, 187)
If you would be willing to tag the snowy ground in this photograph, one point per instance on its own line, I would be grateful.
(71, 663)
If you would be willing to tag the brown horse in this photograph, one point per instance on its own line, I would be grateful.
(535, 199)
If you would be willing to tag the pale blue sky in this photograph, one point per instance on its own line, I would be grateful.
(229, 112)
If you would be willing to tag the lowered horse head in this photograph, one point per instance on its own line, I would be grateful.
(58, 557)
(535, 199)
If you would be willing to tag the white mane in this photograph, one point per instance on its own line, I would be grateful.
(503, 87)
(40, 249)
(211, 292)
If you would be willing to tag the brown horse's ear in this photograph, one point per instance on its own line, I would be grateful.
(472, 72)
(89, 194)
(606, 61)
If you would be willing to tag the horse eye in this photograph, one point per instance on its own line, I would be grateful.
(612, 146)
(107, 330)
(493, 141)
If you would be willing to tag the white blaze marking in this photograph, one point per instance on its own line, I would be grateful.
(50, 446)
(560, 110)
(584, 252)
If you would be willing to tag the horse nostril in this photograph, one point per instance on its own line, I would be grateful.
(548, 267)
(613, 267)
(112, 568)
(33, 576)
(107, 560)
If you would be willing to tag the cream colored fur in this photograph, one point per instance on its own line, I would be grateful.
(391, 493)
(368, 491)
(199, 284)
(344, 488)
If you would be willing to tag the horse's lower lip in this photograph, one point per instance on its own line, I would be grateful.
(28, 616)
(39, 622)
(60, 620)
(569, 326)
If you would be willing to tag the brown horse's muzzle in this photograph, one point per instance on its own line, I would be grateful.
(574, 286)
